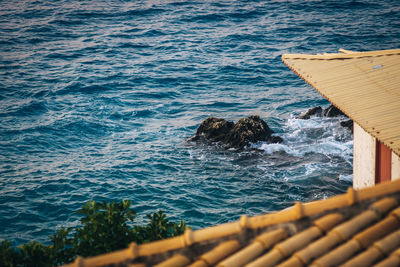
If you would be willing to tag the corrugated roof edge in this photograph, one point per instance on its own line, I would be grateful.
(341, 56)
(190, 237)
(345, 55)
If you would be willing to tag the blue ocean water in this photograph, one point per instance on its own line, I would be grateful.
(98, 99)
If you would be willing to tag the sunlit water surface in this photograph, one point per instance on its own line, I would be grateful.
(98, 99)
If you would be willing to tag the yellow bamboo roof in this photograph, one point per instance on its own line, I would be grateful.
(364, 85)
(359, 228)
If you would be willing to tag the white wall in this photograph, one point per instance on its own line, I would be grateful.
(395, 167)
(363, 159)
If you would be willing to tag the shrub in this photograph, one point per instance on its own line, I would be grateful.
(158, 228)
(105, 227)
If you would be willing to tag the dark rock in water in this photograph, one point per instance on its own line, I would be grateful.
(245, 131)
(214, 129)
(333, 111)
(317, 111)
(348, 124)
(330, 111)
(250, 130)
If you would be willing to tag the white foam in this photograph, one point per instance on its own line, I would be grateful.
(272, 148)
(294, 123)
(307, 140)
(327, 147)
(318, 135)
(310, 168)
(346, 177)
(198, 156)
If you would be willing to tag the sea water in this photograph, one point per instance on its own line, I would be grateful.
(98, 99)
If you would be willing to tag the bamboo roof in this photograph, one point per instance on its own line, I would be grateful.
(359, 228)
(364, 85)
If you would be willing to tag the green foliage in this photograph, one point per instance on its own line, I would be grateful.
(8, 255)
(105, 227)
(158, 228)
(33, 253)
(63, 247)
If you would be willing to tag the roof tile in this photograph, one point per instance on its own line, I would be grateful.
(260, 244)
(176, 261)
(346, 230)
(388, 244)
(298, 241)
(314, 250)
(329, 221)
(392, 261)
(380, 229)
(217, 254)
(380, 249)
(359, 241)
(357, 228)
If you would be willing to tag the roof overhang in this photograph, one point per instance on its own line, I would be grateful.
(364, 85)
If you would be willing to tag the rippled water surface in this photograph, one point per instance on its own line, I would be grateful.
(98, 99)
